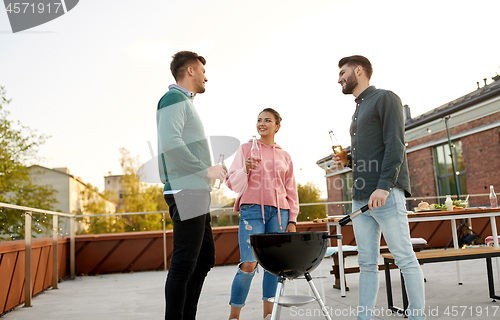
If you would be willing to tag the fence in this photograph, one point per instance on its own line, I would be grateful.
(28, 275)
(42, 262)
(89, 246)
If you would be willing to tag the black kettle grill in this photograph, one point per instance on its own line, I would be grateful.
(291, 255)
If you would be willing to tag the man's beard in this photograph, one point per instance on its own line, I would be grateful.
(350, 84)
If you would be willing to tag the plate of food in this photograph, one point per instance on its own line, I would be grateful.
(460, 205)
(424, 206)
(433, 207)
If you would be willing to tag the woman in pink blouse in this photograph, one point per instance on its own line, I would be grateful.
(267, 201)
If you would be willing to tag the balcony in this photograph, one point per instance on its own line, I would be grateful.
(140, 295)
(127, 276)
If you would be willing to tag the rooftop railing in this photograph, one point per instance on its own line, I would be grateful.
(56, 231)
(28, 215)
(27, 242)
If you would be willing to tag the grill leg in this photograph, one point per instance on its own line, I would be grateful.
(317, 296)
(279, 292)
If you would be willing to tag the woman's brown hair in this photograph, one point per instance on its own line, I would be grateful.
(277, 116)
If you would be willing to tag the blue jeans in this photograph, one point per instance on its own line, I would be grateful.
(251, 223)
(390, 219)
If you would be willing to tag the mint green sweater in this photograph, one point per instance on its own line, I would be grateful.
(183, 154)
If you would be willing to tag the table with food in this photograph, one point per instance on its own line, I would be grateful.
(425, 206)
(456, 210)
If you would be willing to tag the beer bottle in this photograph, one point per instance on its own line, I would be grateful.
(217, 182)
(493, 198)
(255, 152)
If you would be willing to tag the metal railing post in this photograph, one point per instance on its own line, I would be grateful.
(27, 260)
(72, 247)
(164, 243)
(55, 252)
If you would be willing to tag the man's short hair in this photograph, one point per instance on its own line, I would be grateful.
(181, 60)
(354, 61)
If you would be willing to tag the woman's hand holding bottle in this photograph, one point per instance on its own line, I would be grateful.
(251, 163)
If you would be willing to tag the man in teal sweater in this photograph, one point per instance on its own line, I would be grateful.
(185, 168)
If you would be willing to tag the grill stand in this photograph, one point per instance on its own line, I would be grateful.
(281, 300)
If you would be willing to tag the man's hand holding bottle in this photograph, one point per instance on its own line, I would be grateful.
(217, 172)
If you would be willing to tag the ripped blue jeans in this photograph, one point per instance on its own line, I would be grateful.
(251, 223)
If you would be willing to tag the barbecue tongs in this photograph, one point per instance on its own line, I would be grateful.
(348, 218)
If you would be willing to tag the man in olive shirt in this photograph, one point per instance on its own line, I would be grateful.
(381, 180)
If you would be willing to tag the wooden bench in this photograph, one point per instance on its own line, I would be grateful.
(352, 251)
(441, 256)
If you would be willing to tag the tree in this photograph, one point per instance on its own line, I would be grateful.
(224, 207)
(219, 198)
(310, 193)
(140, 197)
(137, 197)
(94, 202)
(19, 145)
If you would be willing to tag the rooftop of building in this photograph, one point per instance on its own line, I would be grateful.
(481, 94)
(140, 295)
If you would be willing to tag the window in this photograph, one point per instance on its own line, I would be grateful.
(446, 182)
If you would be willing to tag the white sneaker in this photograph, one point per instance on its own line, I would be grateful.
(268, 317)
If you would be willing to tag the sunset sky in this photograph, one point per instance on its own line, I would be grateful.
(91, 79)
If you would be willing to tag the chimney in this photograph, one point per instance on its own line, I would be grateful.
(406, 112)
(496, 78)
(478, 87)
(485, 81)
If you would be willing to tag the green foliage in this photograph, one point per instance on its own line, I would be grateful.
(225, 208)
(224, 221)
(19, 145)
(137, 197)
(94, 202)
(310, 193)
(140, 197)
(219, 198)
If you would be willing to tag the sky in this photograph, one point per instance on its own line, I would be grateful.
(91, 79)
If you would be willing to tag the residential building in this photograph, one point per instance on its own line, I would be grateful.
(68, 188)
(114, 184)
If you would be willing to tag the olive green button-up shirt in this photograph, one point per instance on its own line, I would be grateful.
(378, 152)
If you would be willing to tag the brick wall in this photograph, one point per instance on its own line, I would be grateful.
(335, 193)
(455, 130)
(422, 176)
(482, 164)
(481, 153)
